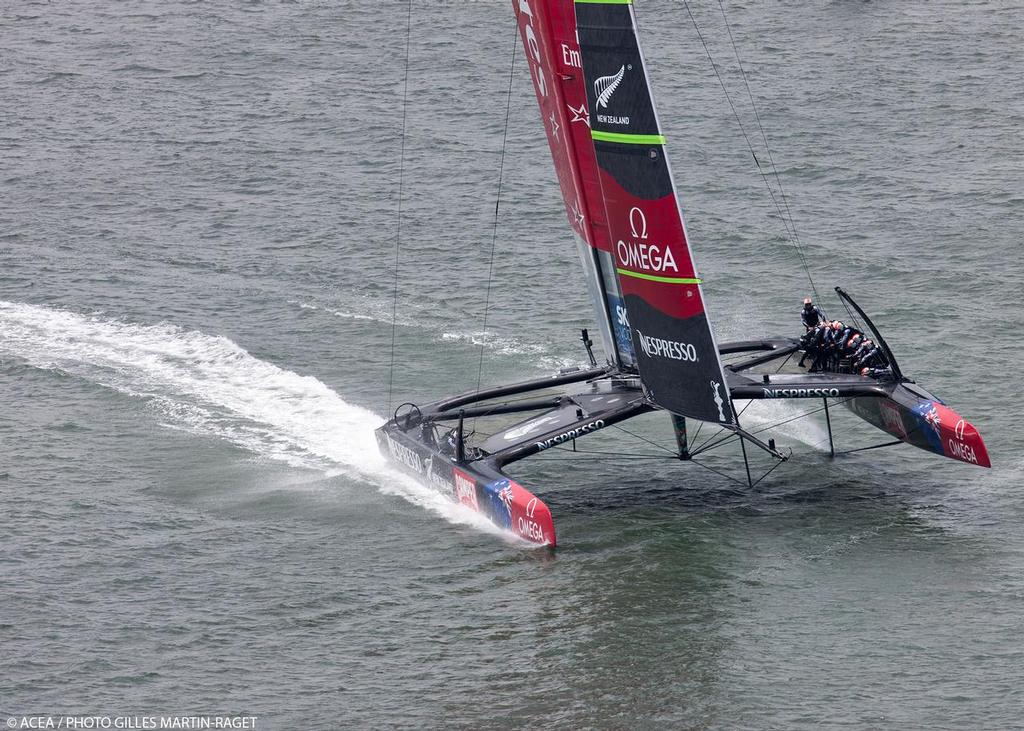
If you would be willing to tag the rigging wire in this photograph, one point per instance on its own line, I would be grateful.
(497, 205)
(700, 425)
(762, 477)
(853, 318)
(735, 114)
(698, 450)
(726, 439)
(719, 472)
(787, 220)
(401, 186)
(643, 439)
(768, 149)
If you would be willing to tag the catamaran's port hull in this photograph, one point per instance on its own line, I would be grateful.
(475, 485)
(410, 442)
(423, 441)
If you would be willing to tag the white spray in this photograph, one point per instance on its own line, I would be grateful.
(209, 385)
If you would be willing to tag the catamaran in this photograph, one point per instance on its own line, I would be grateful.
(608, 148)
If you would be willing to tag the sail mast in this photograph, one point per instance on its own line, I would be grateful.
(676, 352)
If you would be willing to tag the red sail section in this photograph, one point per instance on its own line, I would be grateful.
(651, 242)
(548, 30)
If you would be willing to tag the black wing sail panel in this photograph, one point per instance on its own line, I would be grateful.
(676, 353)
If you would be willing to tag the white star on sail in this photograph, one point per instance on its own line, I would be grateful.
(554, 126)
(581, 114)
(577, 215)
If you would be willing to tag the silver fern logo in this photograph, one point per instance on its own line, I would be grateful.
(605, 86)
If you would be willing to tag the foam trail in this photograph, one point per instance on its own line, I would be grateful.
(209, 385)
(540, 356)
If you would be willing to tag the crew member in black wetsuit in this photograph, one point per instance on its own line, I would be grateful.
(853, 343)
(815, 342)
(830, 343)
(850, 347)
(812, 319)
(876, 372)
(842, 341)
(872, 360)
(865, 345)
(811, 316)
(809, 342)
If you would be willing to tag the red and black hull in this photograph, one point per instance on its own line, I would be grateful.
(897, 406)
(476, 485)
(917, 418)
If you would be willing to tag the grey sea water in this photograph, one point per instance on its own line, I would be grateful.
(198, 217)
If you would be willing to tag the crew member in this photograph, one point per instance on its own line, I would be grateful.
(853, 343)
(871, 359)
(819, 343)
(840, 350)
(833, 339)
(850, 347)
(865, 345)
(812, 340)
(811, 316)
(875, 372)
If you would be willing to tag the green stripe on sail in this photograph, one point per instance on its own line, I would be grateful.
(604, 2)
(655, 278)
(627, 139)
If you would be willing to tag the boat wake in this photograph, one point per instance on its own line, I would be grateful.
(210, 386)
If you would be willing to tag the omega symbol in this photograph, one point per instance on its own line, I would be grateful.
(637, 216)
(960, 427)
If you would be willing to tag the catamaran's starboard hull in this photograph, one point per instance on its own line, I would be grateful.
(901, 408)
(475, 485)
(925, 423)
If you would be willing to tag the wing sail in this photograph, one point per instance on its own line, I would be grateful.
(548, 32)
(675, 349)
